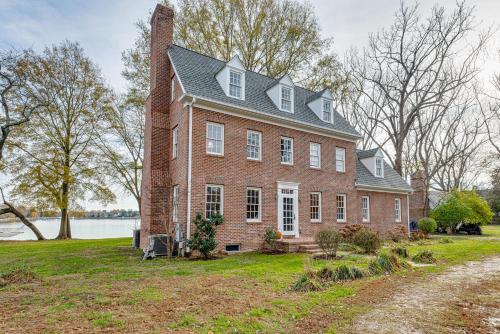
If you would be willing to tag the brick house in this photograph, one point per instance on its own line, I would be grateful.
(261, 151)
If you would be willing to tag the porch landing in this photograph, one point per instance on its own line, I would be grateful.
(300, 245)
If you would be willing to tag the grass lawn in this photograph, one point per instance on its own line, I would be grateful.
(102, 286)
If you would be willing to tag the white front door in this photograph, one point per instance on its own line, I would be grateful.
(288, 208)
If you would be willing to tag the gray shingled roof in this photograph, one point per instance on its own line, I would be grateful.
(363, 154)
(197, 75)
(390, 180)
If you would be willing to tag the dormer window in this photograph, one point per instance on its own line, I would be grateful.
(379, 167)
(286, 98)
(235, 84)
(327, 110)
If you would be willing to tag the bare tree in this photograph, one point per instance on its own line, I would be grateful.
(122, 145)
(17, 106)
(414, 68)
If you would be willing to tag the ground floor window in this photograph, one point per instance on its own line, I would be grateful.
(365, 208)
(397, 209)
(315, 200)
(214, 196)
(341, 208)
(254, 204)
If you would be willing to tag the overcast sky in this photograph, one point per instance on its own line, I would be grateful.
(106, 27)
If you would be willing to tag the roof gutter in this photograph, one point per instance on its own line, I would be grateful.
(273, 119)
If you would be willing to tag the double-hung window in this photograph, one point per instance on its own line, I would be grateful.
(172, 90)
(175, 204)
(327, 110)
(254, 205)
(365, 208)
(215, 138)
(397, 209)
(286, 151)
(315, 155)
(315, 202)
(379, 167)
(254, 145)
(214, 197)
(341, 208)
(235, 85)
(286, 98)
(340, 159)
(175, 141)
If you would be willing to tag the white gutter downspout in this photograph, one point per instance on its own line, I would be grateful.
(408, 213)
(189, 176)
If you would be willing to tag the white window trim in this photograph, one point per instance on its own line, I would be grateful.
(365, 220)
(381, 168)
(281, 86)
(221, 197)
(258, 220)
(172, 89)
(345, 208)
(319, 208)
(343, 161)
(260, 145)
(319, 155)
(323, 110)
(242, 73)
(175, 141)
(397, 204)
(291, 147)
(175, 200)
(206, 139)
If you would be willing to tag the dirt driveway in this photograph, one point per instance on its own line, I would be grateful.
(463, 299)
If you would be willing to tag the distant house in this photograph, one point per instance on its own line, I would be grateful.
(261, 151)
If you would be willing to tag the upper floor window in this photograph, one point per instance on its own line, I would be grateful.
(286, 151)
(172, 90)
(341, 208)
(175, 141)
(215, 138)
(327, 110)
(214, 197)
(340, 159)
(286, 98)
(235, 85)
(379, 167)
(365, 208)
(254, 206)
(175, 204)
(397, 209)
(315, 155)
(254, 145)
(315, 202)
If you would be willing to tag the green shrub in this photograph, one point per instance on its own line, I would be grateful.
(481, 212)
(271, 238)
(424, 256)
(400, 251)
(366, 240)
(203, 239)
(427, 225)
(328, 240)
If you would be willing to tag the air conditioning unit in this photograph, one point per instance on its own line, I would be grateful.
(157, 246)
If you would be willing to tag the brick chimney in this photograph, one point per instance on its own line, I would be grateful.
(418, 199)
(155, 187)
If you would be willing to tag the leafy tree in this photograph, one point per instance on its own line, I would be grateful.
(55, 156)
(203, 239)
(481, 212)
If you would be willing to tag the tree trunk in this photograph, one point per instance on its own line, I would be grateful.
(11, 209)
(64, 230)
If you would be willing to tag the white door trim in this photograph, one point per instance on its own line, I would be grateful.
(295, 196)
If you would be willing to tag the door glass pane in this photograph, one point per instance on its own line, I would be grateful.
(287, 214)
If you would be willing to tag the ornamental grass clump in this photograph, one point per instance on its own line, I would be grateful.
(424, 256)
(400, 251)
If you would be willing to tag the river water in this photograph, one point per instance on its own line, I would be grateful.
(80, 228)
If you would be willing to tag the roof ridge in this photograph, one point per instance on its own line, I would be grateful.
(260, 74)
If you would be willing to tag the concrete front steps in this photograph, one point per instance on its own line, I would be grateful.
(300, 245)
